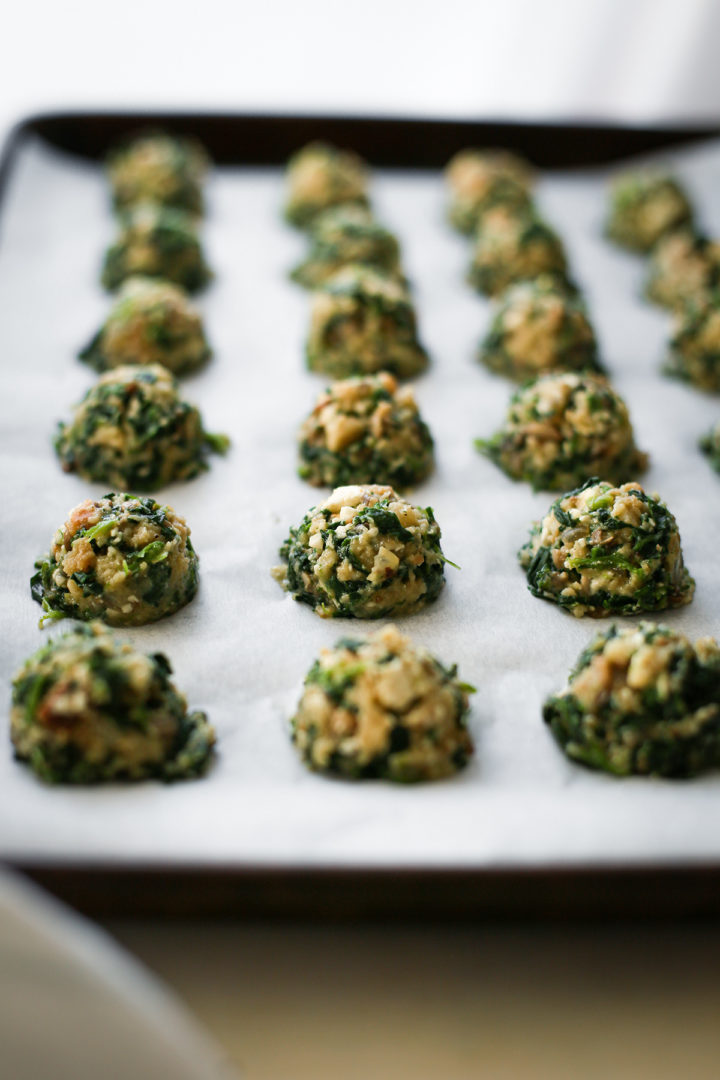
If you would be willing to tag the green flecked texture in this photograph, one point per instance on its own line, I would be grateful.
(644, 207)
(320, 176)
(694, 355)
(148, 569)
(364, 322)
(540, 326)
(672, 727)
(305, 216)
(558, 445)
(341, 237)
(86, 741)
(153, 165)
(157, 437)
(481, 179)
(465, 215)
(514, 247)
(151, 322)
(394, 763)
(399, 451)
(157, 242)
(413, 737)
(416, 581)
(683, 268)
(365, 465)
(626, 569)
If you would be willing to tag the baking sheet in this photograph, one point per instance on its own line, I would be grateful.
(241, 649)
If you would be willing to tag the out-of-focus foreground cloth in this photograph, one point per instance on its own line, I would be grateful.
(75, 1007)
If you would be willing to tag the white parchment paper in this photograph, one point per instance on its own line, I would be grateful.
(241, 649)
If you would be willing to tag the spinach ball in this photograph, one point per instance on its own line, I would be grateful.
(694, 354)
(343, 236)
(87, 708)
(134, 432)
(160, 168)
(538, 327)
(512, 246)
(152, 322)
(561, 430)
(604, 550)
(380, 706)
(480, 179)
(365, 430)
(643, 701)
(645, 206)
(320, 176)
(364, 553)
(123, 559)
(682, 269)
(156, 241)
(362, 322)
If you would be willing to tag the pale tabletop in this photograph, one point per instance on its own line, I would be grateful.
(492, 1001)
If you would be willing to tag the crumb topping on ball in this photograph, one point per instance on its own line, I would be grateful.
(381, 706)
(607, 550)
(364, 553)
(642, 700)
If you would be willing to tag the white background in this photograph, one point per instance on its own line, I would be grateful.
(637, 60)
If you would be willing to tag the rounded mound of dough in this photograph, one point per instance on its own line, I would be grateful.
(695, 346)
(365, 430)
(122, 559)
(383, 707)
(343, 236)
(645, 206)
(643, 700)
(86, 708)
(561, 430)
(156, 241)
(152, 322)
(362, 322)
(320, 176)
(159, 168)
(513, 246)
(604, 550)
(480, 179)
(539, 327)
(364, 553)
(133, 432)
(683, 268)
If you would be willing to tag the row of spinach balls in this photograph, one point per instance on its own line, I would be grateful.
(642, 700)
(381, 706)
(87, 707)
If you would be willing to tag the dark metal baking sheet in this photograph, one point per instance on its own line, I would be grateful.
(579, 887)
